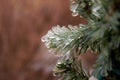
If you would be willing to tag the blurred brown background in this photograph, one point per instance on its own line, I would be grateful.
(22, 24)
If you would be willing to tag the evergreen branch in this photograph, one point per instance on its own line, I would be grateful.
(63, 39)
(69, 68)
(101, 34)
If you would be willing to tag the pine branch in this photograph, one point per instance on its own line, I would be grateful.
(101, 34)
(63, 39)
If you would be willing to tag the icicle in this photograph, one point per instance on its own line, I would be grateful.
(43, 39)
(73, 8)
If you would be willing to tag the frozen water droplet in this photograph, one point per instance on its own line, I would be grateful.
(92, 78)
(57, 38)
(74, 14)
(51, 37)
(67, 43)
(73, 8)
(43, 39)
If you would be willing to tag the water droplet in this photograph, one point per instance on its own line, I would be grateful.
(43, 39)
(74, 14)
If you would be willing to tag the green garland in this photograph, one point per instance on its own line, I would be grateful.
(101, 35)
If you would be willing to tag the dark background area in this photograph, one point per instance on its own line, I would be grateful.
(22, 24)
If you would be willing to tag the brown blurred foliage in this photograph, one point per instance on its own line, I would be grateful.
(22, 23)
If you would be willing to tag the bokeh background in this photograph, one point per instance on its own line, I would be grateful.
(22, 24)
